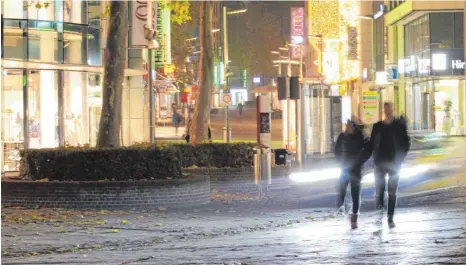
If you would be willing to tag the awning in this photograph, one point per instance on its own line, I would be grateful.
(163, 84)
(16, 64)
(264, 89)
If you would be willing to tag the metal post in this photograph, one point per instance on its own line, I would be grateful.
(288, 102)
(225, 70)
(61, 113)
(151, 98)
(25, 110)
(151, 89)
(299, 114)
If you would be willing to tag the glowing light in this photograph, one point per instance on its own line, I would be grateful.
(439, 61)
(405, 173)
(316, 175)
(334, 173)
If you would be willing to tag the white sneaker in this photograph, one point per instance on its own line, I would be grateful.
(341, 211)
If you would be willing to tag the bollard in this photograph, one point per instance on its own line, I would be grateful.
(257, 166)
(266, 166)
(262, 169)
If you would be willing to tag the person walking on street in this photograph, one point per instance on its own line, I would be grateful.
(348, 151)
(240, 110)
(176, 120)
(188, 130)
(390, 144)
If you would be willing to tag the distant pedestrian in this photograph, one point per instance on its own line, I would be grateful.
(176, 120)
(390, 144)
(209, 134)
(187, 134)
(240, 110)
(348, 151)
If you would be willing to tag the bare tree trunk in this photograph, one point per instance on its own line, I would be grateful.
(114, 72)
(204, 93)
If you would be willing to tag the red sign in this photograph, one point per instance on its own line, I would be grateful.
(297, 30)
(297, 21)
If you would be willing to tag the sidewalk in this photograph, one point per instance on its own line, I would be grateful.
(169, 132)
(238, 233)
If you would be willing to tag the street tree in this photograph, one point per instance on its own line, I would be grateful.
(205, 75)
(181, 31)
(114, 71)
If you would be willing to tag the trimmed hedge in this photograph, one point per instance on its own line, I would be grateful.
(137, 162)
(100, 164)
(214, 155)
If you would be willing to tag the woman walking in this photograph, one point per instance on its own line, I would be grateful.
(349, 152)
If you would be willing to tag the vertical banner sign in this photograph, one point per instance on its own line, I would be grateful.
(159, 54)
(264, 121)
(139, 19)
(297, 30)
(370, 107)
(352, 43)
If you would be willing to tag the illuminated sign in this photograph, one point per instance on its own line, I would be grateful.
(256, 80)
(352, 43)
(439, 61)
(169, 69)
(297, 30)
(380, 13)
(423, 66)
(457, 64)
(330, 66)
(381, 78)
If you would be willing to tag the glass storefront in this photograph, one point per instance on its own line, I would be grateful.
(52, 90)
(434, 73)
(12, 137)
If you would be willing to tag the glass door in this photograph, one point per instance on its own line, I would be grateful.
(12, 107)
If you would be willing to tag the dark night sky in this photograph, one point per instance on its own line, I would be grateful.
(280, 8)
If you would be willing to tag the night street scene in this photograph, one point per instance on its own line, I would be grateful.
(233, 132)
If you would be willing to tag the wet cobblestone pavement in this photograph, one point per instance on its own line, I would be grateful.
(237, 235)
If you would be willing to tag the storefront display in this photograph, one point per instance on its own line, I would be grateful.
(433, 70)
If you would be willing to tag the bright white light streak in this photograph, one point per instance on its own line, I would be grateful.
(316, 175)
(405, 173)
(334, 173)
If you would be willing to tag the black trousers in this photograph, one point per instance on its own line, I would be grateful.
(352, 177)
(381, 170)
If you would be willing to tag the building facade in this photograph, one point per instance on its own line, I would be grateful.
(425, 60)
(51, 92)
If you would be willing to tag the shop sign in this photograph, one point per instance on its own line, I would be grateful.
(330, 66)
(139, 19)
(370, 106)
(352, 43)
(297, 30)
(169, 69)
(457, 64)
(448, 62)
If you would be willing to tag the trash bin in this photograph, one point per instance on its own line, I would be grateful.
(282, 157)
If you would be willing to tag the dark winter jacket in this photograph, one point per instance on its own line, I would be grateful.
(390, 142)
(348, 150)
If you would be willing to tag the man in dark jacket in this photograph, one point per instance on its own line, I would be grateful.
(348, 151)
(390, 145)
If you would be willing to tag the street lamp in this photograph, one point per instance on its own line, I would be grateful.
(152, 44)
(279, 64)
(225, 62)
